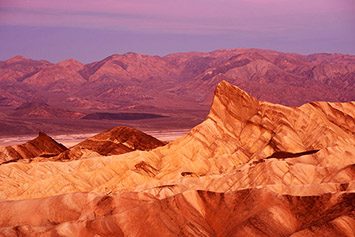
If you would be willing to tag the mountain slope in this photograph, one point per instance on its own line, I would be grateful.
(251, 168)
(239, 133)
(18, 68)
(288, 79)
(43, 145)
(194, 213)
(43, 110)
(184, 79)
(57, 78)
(115, 141)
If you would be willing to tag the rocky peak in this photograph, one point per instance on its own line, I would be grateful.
(43, 145)
(44, 138)
(232, 101)
(17, 59)
(71, 64)
(115, 141)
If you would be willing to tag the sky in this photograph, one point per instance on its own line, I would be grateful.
(90, 30)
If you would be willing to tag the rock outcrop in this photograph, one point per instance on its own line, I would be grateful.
(252, 168)
(41, 146)
(115, 141)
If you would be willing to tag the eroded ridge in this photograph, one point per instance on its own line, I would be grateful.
(251, 168)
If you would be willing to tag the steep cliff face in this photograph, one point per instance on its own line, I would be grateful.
(251, 168)
(43, 145)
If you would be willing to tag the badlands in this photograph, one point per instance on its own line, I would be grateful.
(252, 168)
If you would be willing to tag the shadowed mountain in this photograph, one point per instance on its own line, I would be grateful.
(252, 168)
(43, 110)
(115, 141)
(43, 145)
(121, 116)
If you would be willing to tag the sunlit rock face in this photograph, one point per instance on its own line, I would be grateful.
(252, 168)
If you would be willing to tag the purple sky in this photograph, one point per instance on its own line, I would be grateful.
(89, 30)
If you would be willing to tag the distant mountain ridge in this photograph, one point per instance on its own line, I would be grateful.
(43, 110)
(179, 79)
(178, 86)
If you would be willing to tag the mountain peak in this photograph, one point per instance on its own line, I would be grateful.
(230, 99)
(115, 141)
(17, 58)
(42, 145)
(71, 64)
(45, 143)
(125, 55)
(43, 135)
(70, 61)
(224, 87)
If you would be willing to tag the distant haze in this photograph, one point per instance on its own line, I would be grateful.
(90, 30)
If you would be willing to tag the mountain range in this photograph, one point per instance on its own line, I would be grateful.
(178, 85)
(251, 168)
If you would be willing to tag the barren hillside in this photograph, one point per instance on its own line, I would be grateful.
(252, 168)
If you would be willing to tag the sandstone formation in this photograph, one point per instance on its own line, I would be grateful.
(252, 168)
(43, 146)
(115, 141)
(194, 213)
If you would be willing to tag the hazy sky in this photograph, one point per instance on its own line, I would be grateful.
(89, 30)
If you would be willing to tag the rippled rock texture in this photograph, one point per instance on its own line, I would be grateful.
(251, 168)
(115, 141)
(42, 146)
